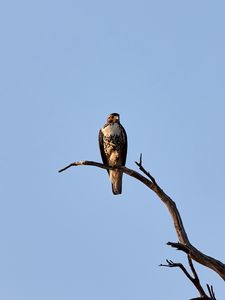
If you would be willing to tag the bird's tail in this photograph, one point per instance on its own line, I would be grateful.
(116, 180)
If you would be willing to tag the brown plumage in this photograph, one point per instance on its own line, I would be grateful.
(113, 148)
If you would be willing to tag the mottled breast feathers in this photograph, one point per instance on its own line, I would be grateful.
(113, 148)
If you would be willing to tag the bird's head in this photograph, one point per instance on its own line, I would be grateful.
(113, 118)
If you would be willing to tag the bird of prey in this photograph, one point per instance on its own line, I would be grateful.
(113, 147)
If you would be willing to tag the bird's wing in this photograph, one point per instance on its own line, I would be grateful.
(125, 145)
(101, 146)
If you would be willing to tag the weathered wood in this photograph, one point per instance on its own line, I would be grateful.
(184, 243)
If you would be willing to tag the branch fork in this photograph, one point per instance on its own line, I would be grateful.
(193, 278)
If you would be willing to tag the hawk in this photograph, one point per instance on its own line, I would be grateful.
(113, 147)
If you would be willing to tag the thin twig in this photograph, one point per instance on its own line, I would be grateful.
(172, 264)
(211, 292)
(194, 279)
(139, 164)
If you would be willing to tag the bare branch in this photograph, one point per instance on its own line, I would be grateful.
(211, 292)
(172, 264)
(184, 243)
(139, 164)
(194, 279)
(179, 246)
(127, 171)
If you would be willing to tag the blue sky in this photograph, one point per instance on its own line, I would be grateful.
(65, 65)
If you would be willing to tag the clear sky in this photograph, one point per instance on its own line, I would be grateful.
(65, 65)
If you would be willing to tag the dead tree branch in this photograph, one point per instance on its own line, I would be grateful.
(184, 243)
(193, 278)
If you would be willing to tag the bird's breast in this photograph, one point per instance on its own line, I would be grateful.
(111, 130)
